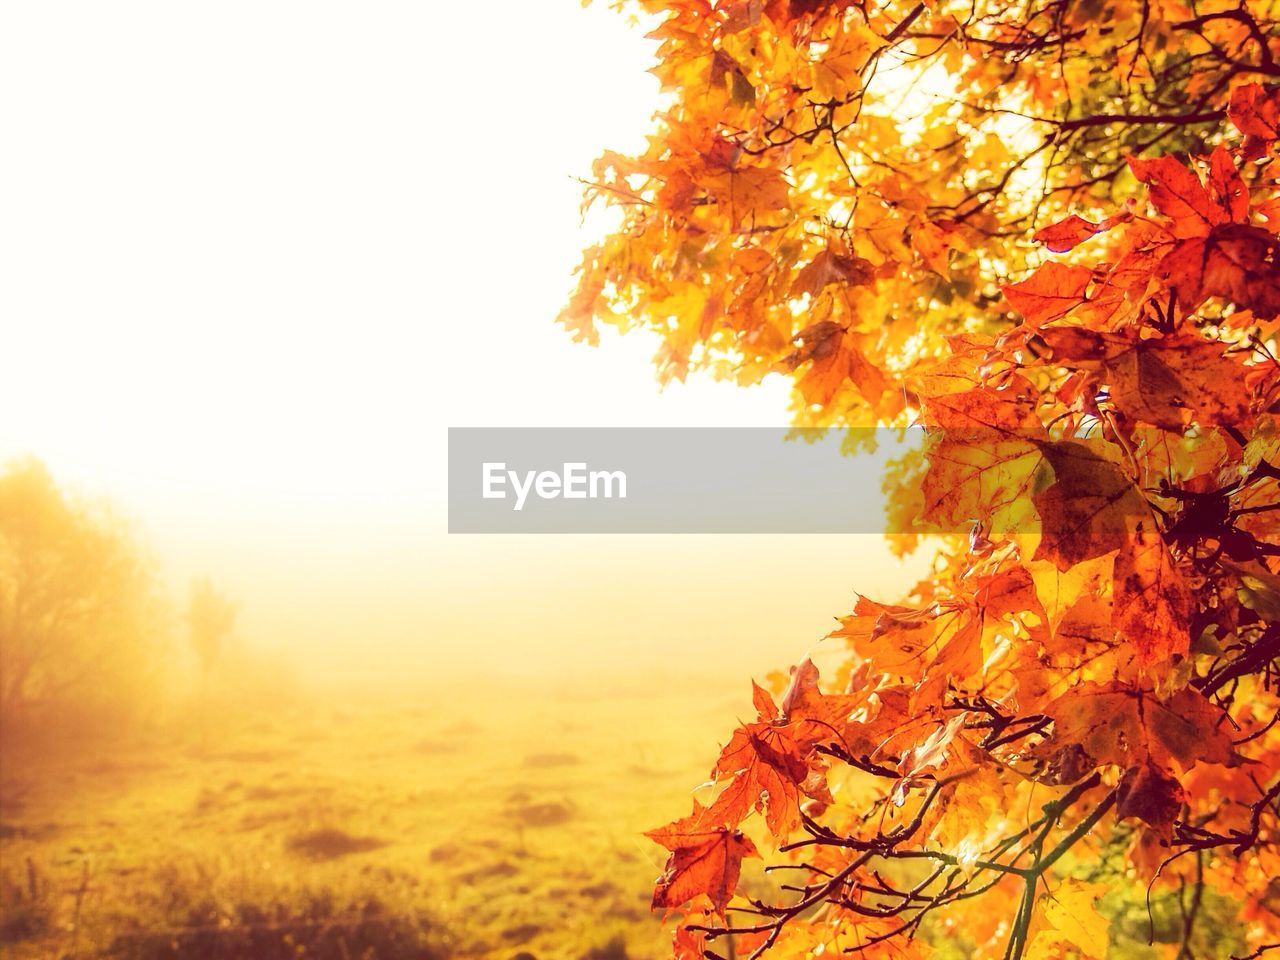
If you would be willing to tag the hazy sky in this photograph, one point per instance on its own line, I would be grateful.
(258, 256)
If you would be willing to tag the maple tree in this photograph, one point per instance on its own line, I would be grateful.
(1049, 234)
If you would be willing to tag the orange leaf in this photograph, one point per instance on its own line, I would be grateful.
(1238, 262)
(766, 769)
(928, 754)
(1088, 508)
(1228, 188)
(705, 861)
(1164, 381)
(1125, 725)
(1152, 605)
(1049, 293)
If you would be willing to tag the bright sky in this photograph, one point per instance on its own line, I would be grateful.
(259, 255)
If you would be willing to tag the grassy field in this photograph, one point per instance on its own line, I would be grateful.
(464, 822)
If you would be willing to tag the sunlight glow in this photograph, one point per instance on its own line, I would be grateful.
(256, 271)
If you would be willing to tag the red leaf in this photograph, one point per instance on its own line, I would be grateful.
(1066, 234)
(1228, 188)
(1255, 110)
(1151, 795)
(1177, 192)
(1235, 261)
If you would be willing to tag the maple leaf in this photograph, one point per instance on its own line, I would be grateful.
(1049, 293)
(960, 656)
(1152, 605)
(1128, 726)
(929, 754)
(934, 241)
(829, 267)
(1009, 592)
(1089, 507)
(1150, 794)
(1177, 192)
(802, 688)
(1255, 110)
(1227, 187)
(984, 477)
(1165, 381)
(764, 769)
(971, 413)
(1071, 231)
(1236, 261)
(747, 192)
(1217, 253)
(1071, 915)
(812, 716)
(705, 860)
(892, 637)
(834, 359)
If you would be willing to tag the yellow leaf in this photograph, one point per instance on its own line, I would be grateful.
(1072, 911)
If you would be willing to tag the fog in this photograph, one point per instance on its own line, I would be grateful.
(258, 269)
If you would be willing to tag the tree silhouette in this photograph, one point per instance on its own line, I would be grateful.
(211, 616)
(76, 617)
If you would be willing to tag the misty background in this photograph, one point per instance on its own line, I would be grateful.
(259, 257)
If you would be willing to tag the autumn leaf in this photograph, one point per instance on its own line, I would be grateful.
(982, 411)
(834, 359)
(1150, 794)
(1071, 912)
(763, 769)
(1227, 186)
(1071, 231)
(1117, 723)
(981, 477)
(802, 687)
(1255, 110)
(745, 192)
(705, 861)
(1089, 507)
(1166, 381)
(1178, 193)
(893, 637)
(934, 242)
(927, 755)
(1049, 293)
(831, 267)
(1235, 261)
(1152, 605)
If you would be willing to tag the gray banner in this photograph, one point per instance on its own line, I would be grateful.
(664, 480)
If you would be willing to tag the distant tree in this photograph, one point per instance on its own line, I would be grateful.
(211, 616)
(76, 601)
